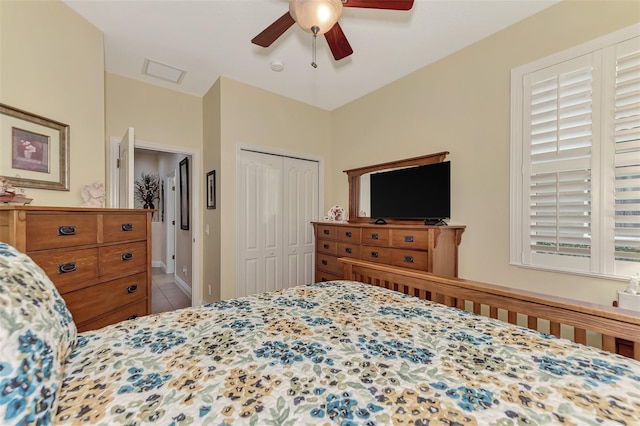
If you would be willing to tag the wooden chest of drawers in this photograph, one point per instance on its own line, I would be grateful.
(99, 259)
(426, 248)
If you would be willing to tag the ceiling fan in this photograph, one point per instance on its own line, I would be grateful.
(320, 17)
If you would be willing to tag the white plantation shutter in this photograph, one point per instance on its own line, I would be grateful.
(576, 147)
(627, 154)
(558, 133)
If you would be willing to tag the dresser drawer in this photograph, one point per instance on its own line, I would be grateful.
(123, 258)
(411, 239)
(326, 232)
(91, 302)
(128, 312)
(375, 254)
(349, 250)
(348, 234)
(322, 276)
(124, 227)
(69, 269)
(329, 264)
(413, 259)
(377, 237)
(47, 231)
(327, 247)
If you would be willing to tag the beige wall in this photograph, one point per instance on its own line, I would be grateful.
(160, 116)
(55, 68)
(256, 117)
(461, 104)
(211, 217)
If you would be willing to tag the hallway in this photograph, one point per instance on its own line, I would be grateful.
(166, 294)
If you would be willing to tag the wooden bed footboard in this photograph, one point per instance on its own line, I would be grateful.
(610, 326)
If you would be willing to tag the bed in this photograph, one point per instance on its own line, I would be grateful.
(341, 352)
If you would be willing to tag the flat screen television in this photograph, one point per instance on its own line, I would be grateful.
(422, 192)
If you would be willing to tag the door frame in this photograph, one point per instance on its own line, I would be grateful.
(282, 153)
(195, 200)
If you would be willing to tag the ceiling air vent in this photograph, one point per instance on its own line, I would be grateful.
(162, 71)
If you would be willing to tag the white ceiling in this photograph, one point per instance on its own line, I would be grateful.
(211, 38)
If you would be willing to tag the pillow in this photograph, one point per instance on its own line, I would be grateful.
(36, 334)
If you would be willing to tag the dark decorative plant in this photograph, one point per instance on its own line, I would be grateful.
(147, 189)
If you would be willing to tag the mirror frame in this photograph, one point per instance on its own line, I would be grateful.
(353, 175)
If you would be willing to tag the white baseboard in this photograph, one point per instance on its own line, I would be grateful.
(158, 264)
(186, 289)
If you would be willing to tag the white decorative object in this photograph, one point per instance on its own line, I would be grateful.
(336, 214)
(633, 285)
(93, 195)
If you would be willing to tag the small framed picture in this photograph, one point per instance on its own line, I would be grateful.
(211, 189)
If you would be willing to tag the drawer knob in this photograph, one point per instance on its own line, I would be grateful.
(325, 232)
(127, 227)
(347, 249)
(324, 279)
(348, 234)
(408, 259)
(66, 230)
(65, 268)
(324, 262)
(408, 238)
(131, 317)
(374, 236)
(326, 246)
(375, 254)
(127, 256)
(132, 289)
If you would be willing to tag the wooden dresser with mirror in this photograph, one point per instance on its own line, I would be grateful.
(408, 242)
(99, 259)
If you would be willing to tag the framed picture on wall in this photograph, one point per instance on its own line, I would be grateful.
(34, 150)
(211, 189)
(184, 194)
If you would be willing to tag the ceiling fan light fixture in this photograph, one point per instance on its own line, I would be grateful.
(322, 14)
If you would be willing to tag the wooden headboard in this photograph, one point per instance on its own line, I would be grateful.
(618, 330)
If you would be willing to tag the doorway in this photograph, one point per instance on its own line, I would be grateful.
(187, 272)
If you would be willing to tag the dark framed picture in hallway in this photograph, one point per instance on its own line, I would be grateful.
(211, 189)
(184, 194)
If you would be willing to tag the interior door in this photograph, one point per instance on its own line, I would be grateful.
(125, 170)
(259, 223)
(170, 222)
(301, 194)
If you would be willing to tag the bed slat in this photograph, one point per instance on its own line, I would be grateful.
(611, 323)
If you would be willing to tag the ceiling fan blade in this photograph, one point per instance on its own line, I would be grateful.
(338, 43)
(273, 31)
(380, 4)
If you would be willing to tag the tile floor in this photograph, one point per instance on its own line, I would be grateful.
(165, 293)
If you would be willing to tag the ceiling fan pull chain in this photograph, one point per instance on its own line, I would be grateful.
(315, 30)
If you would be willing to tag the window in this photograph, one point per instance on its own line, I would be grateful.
(575, 159)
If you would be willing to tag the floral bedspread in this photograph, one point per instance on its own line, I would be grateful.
(339, 353)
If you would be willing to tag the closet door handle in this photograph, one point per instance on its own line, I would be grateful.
(374, 236)
(65, 268)
(408, 259)
(126, 256)
(66, 230)
(132, 289)
(375, 254)
(326, 246)
(408, 238)
(348, 250)
(127, 227)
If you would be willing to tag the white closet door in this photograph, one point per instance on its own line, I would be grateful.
(260, 223)
(277, 199)
(299, 209)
